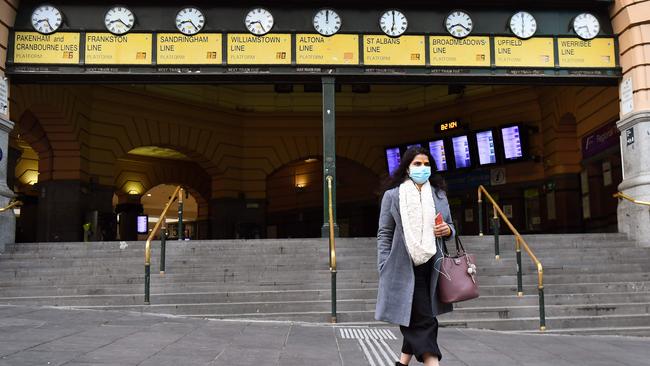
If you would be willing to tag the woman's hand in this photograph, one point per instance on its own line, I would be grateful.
(442, 230)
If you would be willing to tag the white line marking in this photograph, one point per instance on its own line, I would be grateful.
(348, 334)
(383, 352)
(376, 334)
(390, 350)
(374, 351)
(341, 332)
(365, 350)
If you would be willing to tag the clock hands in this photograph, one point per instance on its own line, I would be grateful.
(260, 24)
(392, 28)
(460, 25)
(46, 21)
(327, 16)
(190, 22)
(118, 20)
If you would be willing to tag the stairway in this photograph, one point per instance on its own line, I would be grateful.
(594, 283)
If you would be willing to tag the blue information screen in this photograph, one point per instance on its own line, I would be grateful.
(512, 143)
(393, 159)
(437, 149)
(485, 144)
(461, 152)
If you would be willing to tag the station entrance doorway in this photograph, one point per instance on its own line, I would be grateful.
(252, 124)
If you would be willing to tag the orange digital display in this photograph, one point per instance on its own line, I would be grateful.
(447, 126)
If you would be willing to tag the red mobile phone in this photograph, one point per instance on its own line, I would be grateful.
(439, 219)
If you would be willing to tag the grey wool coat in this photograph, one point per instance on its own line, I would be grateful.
(396, 278)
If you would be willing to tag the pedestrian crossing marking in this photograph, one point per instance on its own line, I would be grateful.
(373, 343)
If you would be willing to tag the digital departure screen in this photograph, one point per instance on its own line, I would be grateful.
(392, 159)
(461, 152)
(142, 221)
(437, 149)
(512, 143)
(485, 144)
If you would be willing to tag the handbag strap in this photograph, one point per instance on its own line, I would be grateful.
(459, 245)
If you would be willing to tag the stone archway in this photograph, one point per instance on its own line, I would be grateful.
(295, 199)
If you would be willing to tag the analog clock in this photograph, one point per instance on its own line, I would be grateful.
(327, 22)
(259, 21)
(119, 20)
(586, 26)
(523, 25)
(459, 24)
(393, 23)
(46, 19)
(190, 21)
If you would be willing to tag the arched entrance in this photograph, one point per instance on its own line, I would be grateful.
(295, 199)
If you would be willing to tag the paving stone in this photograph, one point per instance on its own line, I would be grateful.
(147, 340)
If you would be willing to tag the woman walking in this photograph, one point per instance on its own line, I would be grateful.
(408, 255)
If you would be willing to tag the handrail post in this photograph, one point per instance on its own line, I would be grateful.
(181, 232)
(542, 309)
(332, 249)
(147, 246)
(495, 226)
(480, 213)
(163, 247)
(520, 287)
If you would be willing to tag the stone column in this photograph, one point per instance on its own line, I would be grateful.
(634, 219)
(629, 21)
(7, 218)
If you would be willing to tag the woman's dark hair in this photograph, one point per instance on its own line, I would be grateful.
(401, 173)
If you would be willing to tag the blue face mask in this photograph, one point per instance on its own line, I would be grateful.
(420, 174)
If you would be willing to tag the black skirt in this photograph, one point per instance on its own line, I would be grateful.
(421, 336)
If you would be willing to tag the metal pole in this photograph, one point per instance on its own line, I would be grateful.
(163, 242)
(542, 310)
(333, 296)
(181, 232)
(495, 226)
(480, 214)
(520, 288)
(329, 150)
(147, 281)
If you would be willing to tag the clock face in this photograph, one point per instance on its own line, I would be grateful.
(259, 21)
(327, 22)
(190, 21)
(46, 19)
(586, 26)
(459, 24)
(523, 25)
(393, 23)
(119, 20)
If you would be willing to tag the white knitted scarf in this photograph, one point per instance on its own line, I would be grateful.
(418, 212)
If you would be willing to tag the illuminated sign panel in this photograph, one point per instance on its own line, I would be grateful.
(598, 52)
(388, 51)
(314, 49)
(515, 52)
(36, 48)
(450, 51)
(392, 159)
(447, 126)
(129, 49)
(247, 49)
(179, 49)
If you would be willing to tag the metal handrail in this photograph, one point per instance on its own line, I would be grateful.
(147, 248)
(621, 195)
(332, 246)
(519, 242)
(10, 206)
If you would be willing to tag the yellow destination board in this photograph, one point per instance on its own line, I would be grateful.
(179, 49)
(598, 52)
(314, 49)
(515, 52)
(450, 51)
(129, 49)
(36, 48)
(388, 51)
(247, 49)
